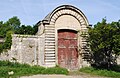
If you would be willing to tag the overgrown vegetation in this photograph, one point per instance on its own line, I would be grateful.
(104, 42)
(25, 69)
(13, 26)
(101, 72)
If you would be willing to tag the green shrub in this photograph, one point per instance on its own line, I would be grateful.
(1, 48)
(115, 68)
(8, 40)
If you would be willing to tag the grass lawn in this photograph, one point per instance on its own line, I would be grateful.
(100, 72)
(25, 70)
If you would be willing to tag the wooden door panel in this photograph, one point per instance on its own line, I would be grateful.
(67, 49)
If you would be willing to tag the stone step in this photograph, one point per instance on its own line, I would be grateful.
(50, 63)
(87, 53)
(47, 41)
(49, 31)
(47, 58)
(49, 54)
(49, 34)
(51, 42)
(50, 60)
(49, 46)
(49, 37)
(49, 49)
(84, 42)
(86, 49)
(49, 28)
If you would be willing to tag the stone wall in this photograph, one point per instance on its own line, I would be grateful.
(118, 60)
(5, 55)
(25, 49)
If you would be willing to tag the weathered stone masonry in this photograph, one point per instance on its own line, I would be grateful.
(42, 48)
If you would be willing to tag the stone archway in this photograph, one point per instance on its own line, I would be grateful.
(45, 51)
(65, 17)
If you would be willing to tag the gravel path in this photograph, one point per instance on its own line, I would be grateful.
(61, 76)
(72, 74)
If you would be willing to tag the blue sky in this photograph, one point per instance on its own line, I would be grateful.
(31, 11)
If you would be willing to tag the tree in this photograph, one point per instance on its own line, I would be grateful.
(14, 22)
(13, 25)
(35, 28)
(104, 41)
(1, 29)
(27, 30)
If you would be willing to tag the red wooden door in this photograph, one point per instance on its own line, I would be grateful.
(67, 49)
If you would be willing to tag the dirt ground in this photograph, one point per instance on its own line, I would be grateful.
(71, 75)
(61, 76)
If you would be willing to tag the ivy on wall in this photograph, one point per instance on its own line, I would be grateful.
(8, 42)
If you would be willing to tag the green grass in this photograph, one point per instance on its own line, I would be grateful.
(25, 70)
(100, 72)
(55, 70)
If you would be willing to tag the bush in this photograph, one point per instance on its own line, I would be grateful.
(8, 40)
(115, 68)
(1, 48)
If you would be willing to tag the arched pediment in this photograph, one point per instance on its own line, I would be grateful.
(66, 10)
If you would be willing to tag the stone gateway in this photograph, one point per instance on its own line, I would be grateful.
(57, 42)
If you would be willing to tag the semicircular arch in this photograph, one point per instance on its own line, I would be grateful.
(68, 10)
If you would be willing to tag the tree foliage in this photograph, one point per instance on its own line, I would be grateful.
(104, 41)
(13, 26)
(28, 30)
(14, 22)
(8, 40)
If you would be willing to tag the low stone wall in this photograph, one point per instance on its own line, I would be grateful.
(25, 49)
(118, 60)
(5, 55)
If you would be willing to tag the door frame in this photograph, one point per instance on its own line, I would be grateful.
(56, 42)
